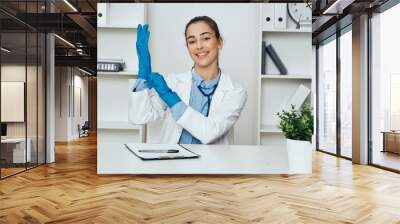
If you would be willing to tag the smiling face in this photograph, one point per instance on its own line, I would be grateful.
(202, 44)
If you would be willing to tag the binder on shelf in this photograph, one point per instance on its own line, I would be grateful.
(276, 59)
(298, 98)
(110, 65)
(263, 59)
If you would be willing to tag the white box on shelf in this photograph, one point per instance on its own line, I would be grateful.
(298, 97)
(280, 16)
(120, 15)
(102, 14)
(268, 16)
(275, 95)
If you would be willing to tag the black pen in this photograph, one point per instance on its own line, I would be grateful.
(160, 150)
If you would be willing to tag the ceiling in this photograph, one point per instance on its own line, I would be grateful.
(76, 23)
(327, 22)
(72, 20)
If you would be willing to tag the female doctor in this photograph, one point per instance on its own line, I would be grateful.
(199, 106)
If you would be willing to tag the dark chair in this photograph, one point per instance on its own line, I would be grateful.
(84, 130)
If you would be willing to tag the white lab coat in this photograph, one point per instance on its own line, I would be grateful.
(226, 104)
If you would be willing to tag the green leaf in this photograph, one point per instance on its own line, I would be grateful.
(297, 124)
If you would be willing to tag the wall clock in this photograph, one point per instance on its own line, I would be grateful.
(300, 14)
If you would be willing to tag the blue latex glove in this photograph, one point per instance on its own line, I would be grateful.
(165, 93)
(142, 48)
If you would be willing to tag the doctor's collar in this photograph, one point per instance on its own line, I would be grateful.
(205, 83)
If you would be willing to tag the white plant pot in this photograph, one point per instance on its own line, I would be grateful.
(299, 156)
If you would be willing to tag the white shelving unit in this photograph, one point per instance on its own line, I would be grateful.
(287, 30)
(269, 129)
(121, 73)
(294, 47)
(116, 39)
(118, 125)
(268, 76)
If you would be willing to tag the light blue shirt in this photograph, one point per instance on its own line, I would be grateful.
(197, 101)
(140, 85)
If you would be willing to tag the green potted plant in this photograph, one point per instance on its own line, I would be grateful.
(298, 126)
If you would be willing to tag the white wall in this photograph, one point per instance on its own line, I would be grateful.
(18, 73)
(61, 103)
(85, 98)
(33, 125)
(67, 82)
(80, 83)
(239, 26)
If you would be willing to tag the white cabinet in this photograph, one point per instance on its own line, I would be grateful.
(267, 16)
(120, 15)
(276, 17)
(116, 39)
(280, 16)
(273, 16)
(17, 148)
(275, 91)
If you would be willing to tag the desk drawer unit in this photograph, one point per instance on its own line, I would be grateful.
(391, 141)
(13, 151)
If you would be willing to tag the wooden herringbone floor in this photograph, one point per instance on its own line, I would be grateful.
(70, 191)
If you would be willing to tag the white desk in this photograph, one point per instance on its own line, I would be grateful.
(215, 159)
(19, 149)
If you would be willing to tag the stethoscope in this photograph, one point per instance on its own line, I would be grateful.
(208, 95)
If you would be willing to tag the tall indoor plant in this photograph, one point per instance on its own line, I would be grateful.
(298, 126)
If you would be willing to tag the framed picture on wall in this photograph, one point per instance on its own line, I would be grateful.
(12, 101)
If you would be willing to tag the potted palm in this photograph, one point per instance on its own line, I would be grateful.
(298, 126)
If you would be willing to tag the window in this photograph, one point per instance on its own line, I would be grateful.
(22, 66)
(346, 93)
(327, 97)
(394, 101)
(385, 89)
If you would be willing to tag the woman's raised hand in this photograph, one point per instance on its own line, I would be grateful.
(142, 48)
